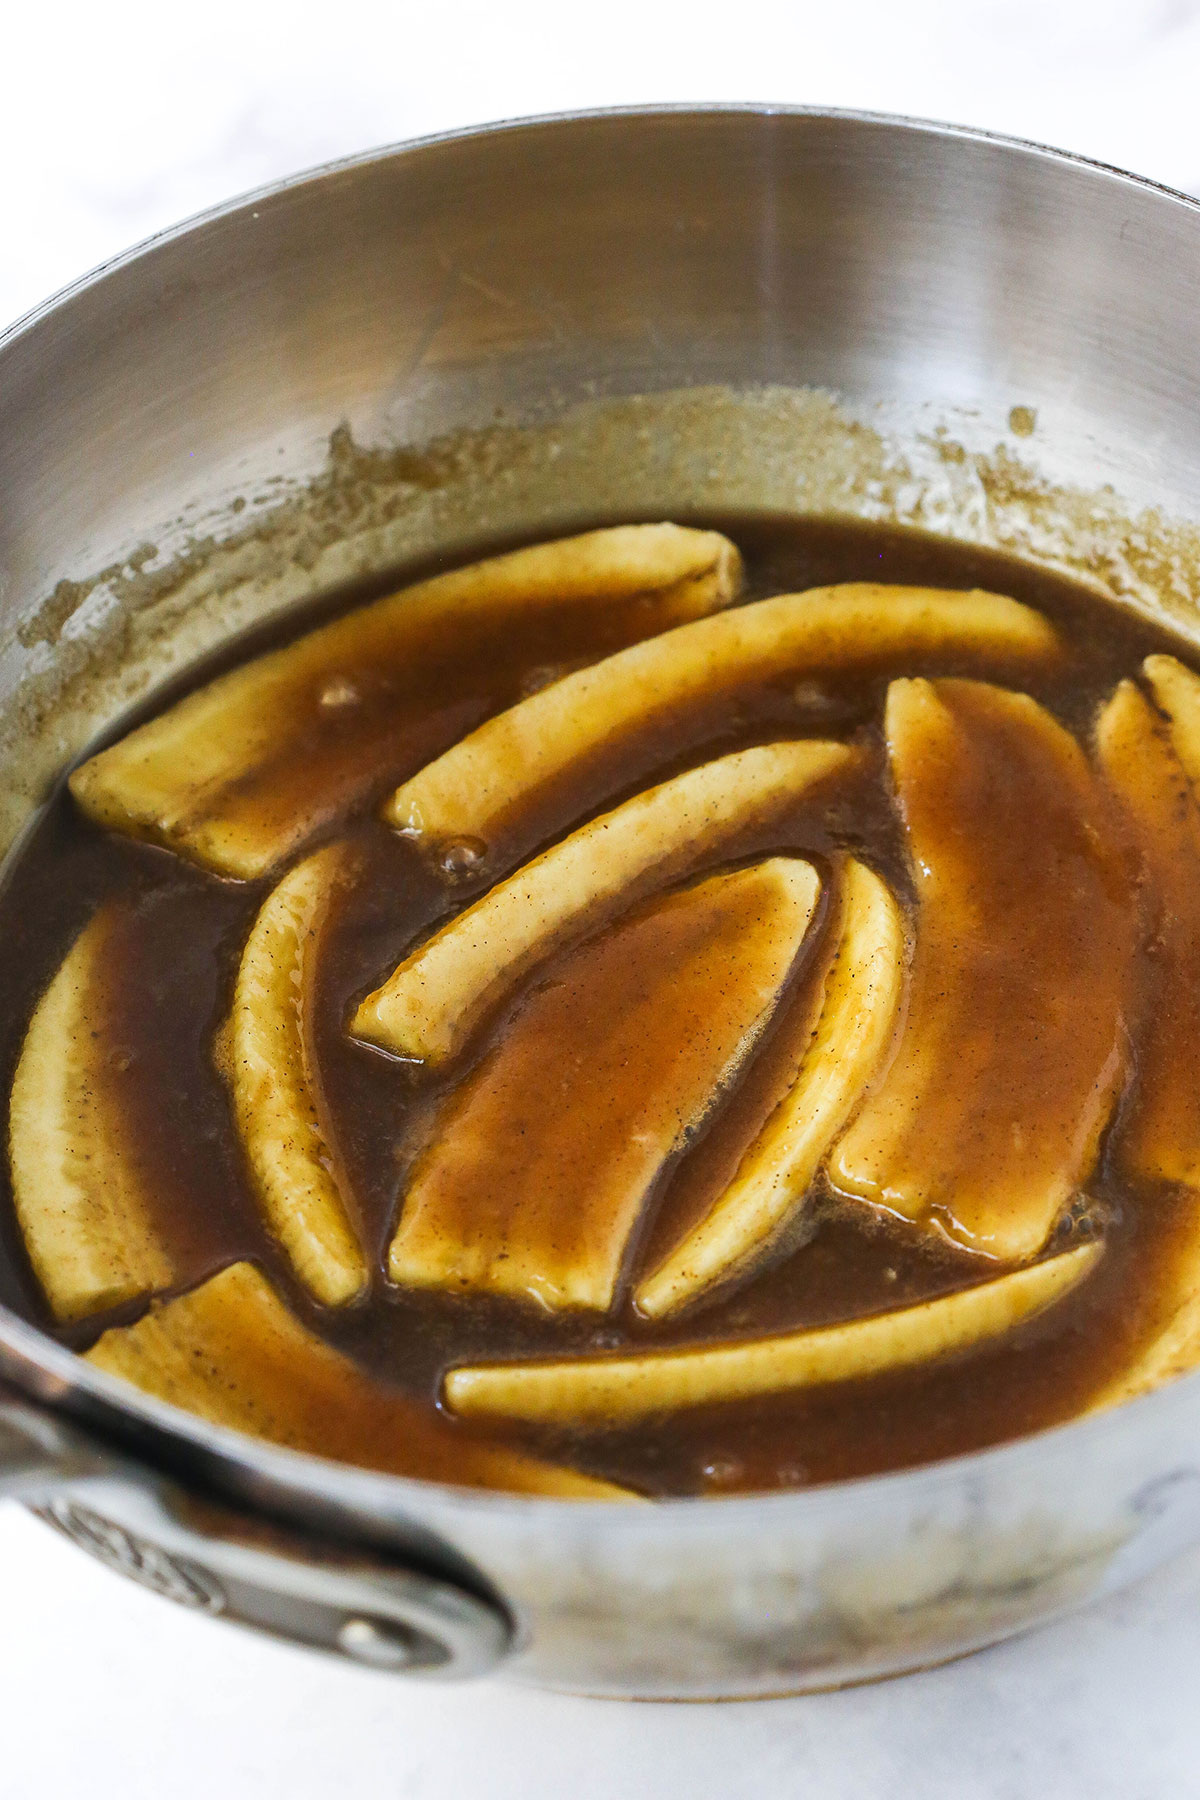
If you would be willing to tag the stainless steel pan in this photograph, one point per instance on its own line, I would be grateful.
(637, 313)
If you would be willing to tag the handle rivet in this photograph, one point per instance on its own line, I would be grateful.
(382, 1645)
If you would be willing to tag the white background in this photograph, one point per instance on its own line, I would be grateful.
(117, 119)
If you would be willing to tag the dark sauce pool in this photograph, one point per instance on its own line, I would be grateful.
(179, 962)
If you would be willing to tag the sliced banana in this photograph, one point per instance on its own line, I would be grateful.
(84, 1196)
(232, 1353)
(1013, 1047)
(1159, 1131)
(837, 1051)
(246, 769)
(429, 1007)
(1173, 1348)
(1176, 688)
(543, 1158)
(269, 1061)
(618, 1390)
(505, 783)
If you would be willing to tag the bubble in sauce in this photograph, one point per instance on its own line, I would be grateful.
(722, 1472)
(460, 859)
(339, 692)
(814, 695)
(542, 675)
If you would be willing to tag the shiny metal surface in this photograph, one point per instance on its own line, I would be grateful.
(520, 286)
(353, 1600)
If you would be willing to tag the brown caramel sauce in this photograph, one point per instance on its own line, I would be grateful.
(182, 951)
(542, 1158)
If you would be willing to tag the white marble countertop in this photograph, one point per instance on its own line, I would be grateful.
(119, 119)
(106, 1690)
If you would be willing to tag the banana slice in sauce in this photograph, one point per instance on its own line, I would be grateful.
(619, 1390)
(245, 770)
(1013, 1047)
(839, 1043)
(233, 1353)
(1176, 690)
(431, 1004)
(1159, 1131)
(511, 782)
(84, 1195)
(270, 1063)
(544, 1157)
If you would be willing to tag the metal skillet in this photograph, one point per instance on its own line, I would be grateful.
(506, 331)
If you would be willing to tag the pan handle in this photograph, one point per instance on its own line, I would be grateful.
(233, 1563)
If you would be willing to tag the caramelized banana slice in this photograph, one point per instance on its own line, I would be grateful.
(543, 1158)
(247, 768)
(846, 1033)
(1159, 1133)
(233, 1353)
(432, 1003)
(1172, 1348)
(508, 784)
(271, 1068)
(83, 1194)
(1176, 688)
(1012, 1051)
(616, 1390)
